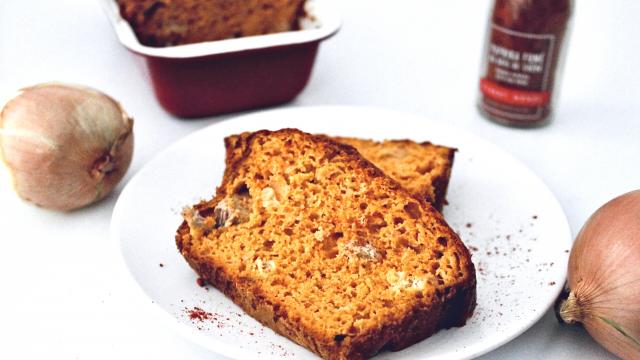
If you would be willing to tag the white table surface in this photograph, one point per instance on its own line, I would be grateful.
(62, 289)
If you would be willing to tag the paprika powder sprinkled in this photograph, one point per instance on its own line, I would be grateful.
(523, 51)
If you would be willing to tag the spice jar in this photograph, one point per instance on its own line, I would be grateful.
(523, 53)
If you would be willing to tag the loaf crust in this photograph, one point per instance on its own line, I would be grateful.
(444, 298)
(177, 22)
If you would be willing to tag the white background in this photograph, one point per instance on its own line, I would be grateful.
(62, 293)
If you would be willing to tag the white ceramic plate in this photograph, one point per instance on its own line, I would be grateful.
(513, 225)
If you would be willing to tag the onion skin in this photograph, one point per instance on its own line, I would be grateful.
(65, 146)
(604, 277)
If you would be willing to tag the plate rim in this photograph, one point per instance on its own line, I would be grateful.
(223, 348)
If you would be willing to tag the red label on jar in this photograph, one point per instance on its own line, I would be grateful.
(518, 82)
(512, 96)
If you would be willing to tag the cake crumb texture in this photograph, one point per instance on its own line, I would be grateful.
(422, 168)
(327, 250)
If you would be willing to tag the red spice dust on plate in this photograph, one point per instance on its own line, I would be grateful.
(201, 318)
(197, 313)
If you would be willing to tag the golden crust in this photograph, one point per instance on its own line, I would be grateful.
(176, 22)
(410, 316)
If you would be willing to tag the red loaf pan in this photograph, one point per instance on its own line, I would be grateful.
(216, 77)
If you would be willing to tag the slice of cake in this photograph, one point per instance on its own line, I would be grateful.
(317, 243)
(422, 168)
(176, 22)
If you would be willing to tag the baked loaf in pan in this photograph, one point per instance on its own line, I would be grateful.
(176, 22)
(317, 243)
(422, 168)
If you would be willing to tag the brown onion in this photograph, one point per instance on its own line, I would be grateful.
(604, 277)
(65, 146)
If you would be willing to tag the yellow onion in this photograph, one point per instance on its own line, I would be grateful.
(604, 277)
(65, 146)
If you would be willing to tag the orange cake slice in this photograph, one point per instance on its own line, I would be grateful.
(315, 242)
